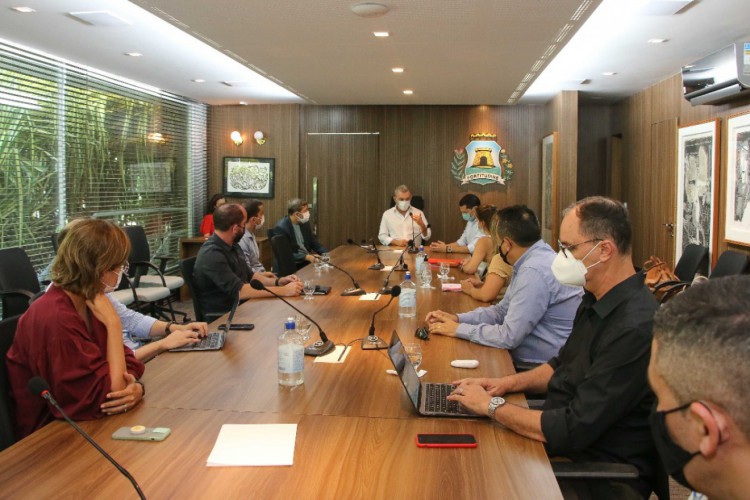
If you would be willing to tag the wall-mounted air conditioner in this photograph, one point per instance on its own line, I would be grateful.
(719, 77)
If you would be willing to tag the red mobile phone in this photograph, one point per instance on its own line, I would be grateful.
(446, 441)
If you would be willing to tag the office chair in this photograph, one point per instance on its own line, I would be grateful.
(7, 334)
(694, 259)
(54, 242)
(283, 257)
(416, 201)
(187, 266)
(730, 263)
(155, 290)
(17, 275)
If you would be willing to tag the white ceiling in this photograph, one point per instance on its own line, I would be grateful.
(319, 52)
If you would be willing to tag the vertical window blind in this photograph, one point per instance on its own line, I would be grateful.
(75, 142)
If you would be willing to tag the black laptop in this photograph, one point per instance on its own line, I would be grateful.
(428, 399)
(214, 340)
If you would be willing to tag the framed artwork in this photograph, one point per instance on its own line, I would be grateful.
(549, 220)
(737, 225)
(249, 177)
(697, 186)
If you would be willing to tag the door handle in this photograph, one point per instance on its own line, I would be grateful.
(670, 226)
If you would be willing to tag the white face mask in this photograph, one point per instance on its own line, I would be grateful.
(403, 205)
(112, 288)
(304, 217)
(260, 224)
(571, 271)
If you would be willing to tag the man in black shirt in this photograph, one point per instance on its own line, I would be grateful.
(598, 399)
(220, 268)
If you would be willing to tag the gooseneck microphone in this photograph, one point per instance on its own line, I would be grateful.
(355, 289)
(400, 266)
(319, 348)
(39, 387)
(370, 249)
(413, 243)
(372, 341)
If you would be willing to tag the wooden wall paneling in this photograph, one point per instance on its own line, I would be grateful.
(280, 124)
(594, 130)
(614, 167)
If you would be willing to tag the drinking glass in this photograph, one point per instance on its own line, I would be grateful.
(426, 277)
(308, 287)
(326, 259)
(445, 269)
(303, 326)
(414, 352)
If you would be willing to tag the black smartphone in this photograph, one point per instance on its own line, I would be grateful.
(321, 290)
(446, 441)
(238, 326)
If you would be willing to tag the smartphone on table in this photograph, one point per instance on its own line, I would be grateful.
(446, 441)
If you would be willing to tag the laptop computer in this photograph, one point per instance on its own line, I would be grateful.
(214, 341)
(429, 398)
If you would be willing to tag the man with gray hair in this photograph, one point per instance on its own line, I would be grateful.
(403, 222)
(296, 227)
(699, 371)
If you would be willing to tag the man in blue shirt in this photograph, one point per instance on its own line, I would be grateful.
(468, 205)
(535, 317)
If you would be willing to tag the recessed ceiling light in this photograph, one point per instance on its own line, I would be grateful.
(198, 80)
(381, 34)
(23, 10)
(133, 54)
(657, 40)
(609, 73)
(408, 92)
(369, 9)
(397, 70)
(244, 103)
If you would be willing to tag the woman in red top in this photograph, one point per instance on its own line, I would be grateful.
(72, 336)
(207, 226)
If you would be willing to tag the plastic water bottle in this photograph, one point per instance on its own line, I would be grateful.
(291, 356)
(407, 300)
(419, 261)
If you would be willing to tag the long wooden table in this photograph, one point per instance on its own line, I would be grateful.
(356, 427)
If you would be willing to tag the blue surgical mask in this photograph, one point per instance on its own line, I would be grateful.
(468, 217)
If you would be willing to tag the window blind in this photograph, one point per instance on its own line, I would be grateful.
(75, 142)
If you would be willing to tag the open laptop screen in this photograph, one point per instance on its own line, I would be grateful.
(405, 369)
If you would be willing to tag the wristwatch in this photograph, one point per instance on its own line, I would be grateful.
(495, 403)
(448, 249)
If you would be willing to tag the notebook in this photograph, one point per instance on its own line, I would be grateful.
(214, 340)
(428, 399)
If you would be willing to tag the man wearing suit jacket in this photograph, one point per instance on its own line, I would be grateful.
(296, 227)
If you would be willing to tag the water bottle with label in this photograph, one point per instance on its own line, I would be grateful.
(407, 300)
(291, 355)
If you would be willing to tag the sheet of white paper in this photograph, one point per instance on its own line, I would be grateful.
(420, 373)
(370, 296)
(254, 445)
(386, 269)
(333, 356)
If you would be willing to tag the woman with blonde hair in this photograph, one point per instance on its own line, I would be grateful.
(498, 275)
(72, 336)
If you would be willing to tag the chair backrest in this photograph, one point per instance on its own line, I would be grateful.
(730, 263)
(7, 334)
(139, 249)
(187, 266)
(694, 259)
(283, 256)
(54, 241)
(16, 272)
(416, 201)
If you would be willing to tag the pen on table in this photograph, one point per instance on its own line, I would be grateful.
(342, 353)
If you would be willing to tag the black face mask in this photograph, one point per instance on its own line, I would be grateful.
(503, 255)
(238, 237)
(673, 456)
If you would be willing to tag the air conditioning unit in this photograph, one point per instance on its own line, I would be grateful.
(719, 77)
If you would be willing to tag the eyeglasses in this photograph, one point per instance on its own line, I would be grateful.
(569, 248)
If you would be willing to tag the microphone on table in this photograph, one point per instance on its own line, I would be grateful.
(374, 267)
(319, 348)
(413, 243)
(371, 247)
(400, 266)
(39, 387)
(372, 341)
(355, 289)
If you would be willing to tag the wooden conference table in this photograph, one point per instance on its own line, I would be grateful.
(356, 427)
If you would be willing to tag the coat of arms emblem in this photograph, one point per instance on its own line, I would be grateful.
(483, 161)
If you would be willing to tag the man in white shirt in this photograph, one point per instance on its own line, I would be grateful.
(403, 222)
(465, 244)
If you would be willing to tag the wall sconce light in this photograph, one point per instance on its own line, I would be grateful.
(260, 138)
(236, 138)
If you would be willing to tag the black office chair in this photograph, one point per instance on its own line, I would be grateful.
(416, 201)
(55, 243)
(283, 257)
(17, 275)
(730, 263)
(7, 334)
(187, 266)
(694, 259)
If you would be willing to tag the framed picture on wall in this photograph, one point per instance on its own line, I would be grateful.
(697, 186)
(738, 180)
(549, 220)
(249, 177)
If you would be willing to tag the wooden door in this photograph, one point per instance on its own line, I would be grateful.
(660, 192)
(348, 202)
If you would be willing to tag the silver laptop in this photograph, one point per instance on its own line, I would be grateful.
(214, 341)
(428, 399)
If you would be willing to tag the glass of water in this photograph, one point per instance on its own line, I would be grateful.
(326, 259)
(303, 326)
(308, 287)
(414, 352)
(445, 269)
(426, 277)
